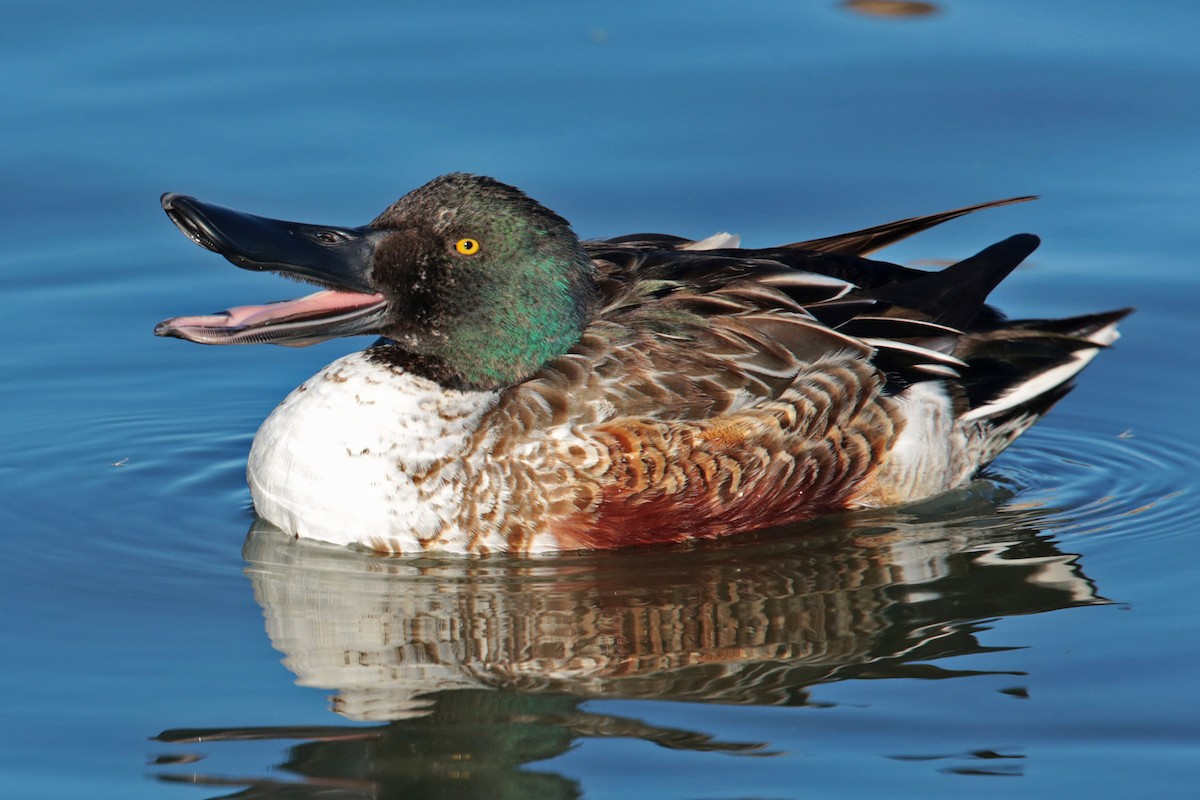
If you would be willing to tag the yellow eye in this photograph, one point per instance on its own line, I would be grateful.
(468, 247)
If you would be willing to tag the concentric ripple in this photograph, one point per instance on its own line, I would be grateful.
(1084, 476)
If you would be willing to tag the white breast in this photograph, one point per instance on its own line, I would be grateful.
(334, 460)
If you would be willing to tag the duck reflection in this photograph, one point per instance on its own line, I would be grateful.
(471, 669)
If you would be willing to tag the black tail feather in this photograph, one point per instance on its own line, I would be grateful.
(955, 296)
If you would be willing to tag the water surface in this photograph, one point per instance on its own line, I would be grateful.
(1031, 634)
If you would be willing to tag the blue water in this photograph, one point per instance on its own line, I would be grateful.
(1031, 635)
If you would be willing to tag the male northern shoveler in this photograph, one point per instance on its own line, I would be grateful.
(535, 393)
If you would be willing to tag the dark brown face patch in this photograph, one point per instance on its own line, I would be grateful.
(486, 285)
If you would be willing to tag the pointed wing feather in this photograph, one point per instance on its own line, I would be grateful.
(868, 240)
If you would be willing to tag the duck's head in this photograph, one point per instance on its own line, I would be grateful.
(465, 273)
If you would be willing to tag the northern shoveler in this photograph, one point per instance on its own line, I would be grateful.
(535, 393)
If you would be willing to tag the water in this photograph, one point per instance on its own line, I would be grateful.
(1031, 634)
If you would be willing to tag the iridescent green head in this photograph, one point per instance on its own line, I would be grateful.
(474, 284)
(484, 282)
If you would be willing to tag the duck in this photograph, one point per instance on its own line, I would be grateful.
(533, 393)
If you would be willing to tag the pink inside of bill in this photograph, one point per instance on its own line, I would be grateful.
(317, 304)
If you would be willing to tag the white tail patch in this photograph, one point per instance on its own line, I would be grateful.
(1106, 335)
(929, 456)
(1045, 381)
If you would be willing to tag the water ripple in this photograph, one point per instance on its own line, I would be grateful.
(1084, 481)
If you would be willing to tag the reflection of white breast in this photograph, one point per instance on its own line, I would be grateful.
(334, 461)
(753, 623)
